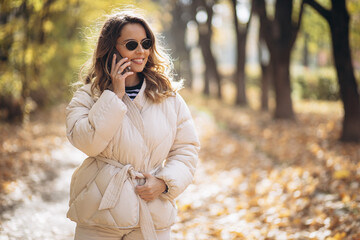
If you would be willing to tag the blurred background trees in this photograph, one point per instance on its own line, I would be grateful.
(338, 19)
(241, 27)
(280, 35)
(37, 41)
(283, 50)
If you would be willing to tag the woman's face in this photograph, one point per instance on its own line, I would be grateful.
(139, 56)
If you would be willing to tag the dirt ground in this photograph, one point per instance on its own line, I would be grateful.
(35, 188)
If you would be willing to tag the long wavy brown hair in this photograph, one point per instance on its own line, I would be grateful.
(158, 69)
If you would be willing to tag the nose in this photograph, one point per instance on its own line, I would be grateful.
(140, 48)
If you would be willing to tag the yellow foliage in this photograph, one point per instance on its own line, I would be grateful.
(58, 6)
(338, 236)
(29, 56)
(37, 4)
(346, 198)
(341, 174)
(284, 213)
(288, 184)
(216, 233)
(185, 207)
(237, 235)
(13, 3)
(48, 26)
(9, 186)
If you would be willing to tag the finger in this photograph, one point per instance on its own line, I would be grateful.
(125, 75)
(113, 63)
(137, 191)
(122, 60)
(149, 193)
(118, 64)
(150, 198)
(147, 197)
(141, 189)
(124, 66)
(143, 196)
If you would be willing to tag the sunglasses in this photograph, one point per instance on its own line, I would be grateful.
(132, 44)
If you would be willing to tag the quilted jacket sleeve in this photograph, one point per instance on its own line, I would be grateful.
(91, 125)
(181, 162)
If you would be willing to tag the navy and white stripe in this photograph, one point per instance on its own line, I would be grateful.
(133, 91)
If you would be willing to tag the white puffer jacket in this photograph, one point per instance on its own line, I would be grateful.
(123, 138)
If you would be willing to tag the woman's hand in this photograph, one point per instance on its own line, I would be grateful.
(152, 188)
(118, 79)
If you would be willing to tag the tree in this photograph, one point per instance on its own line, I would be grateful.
(180, 18)
(280, 35)
(241, 36)
(265, 70)
(338, 20)
(311, 41)
(42, 46)
(204, 10)
(32, 33)
(305, 55)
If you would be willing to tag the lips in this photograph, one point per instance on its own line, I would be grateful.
(138, 60)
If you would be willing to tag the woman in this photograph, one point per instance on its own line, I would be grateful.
(138, 134)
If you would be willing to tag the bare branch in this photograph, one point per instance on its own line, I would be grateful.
(320, 9)
(297, 26)
(300, 15)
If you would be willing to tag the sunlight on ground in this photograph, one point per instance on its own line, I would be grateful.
(257, 178)
(265, 179)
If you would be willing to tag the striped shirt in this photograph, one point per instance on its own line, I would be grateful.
(133, 91)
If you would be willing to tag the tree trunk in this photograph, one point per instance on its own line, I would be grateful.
(211, 71)
(342, 57)
(180, 50)
(280, 35)
(264, 61)
(280, 73)
(205, 34)
(306, 50)
(206, 53)
(25, 81)
(185, 68)
(265, 85)
(240, 73)
(338, 19)
(206, 56)
(239, 78)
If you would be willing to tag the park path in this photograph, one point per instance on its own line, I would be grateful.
(256, 179)
(36, 204)
(41, 205)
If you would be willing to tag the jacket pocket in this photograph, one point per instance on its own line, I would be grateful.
(163, 213)
(84, 207)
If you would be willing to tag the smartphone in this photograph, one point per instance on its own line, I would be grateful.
(118, 58)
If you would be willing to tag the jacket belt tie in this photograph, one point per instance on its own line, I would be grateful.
(113, 190)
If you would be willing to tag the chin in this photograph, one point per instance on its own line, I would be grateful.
(137, 69)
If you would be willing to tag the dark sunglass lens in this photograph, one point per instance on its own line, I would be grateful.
(132, 45)
(146, 44)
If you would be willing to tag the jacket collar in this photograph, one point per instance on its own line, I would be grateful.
(140, 99)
